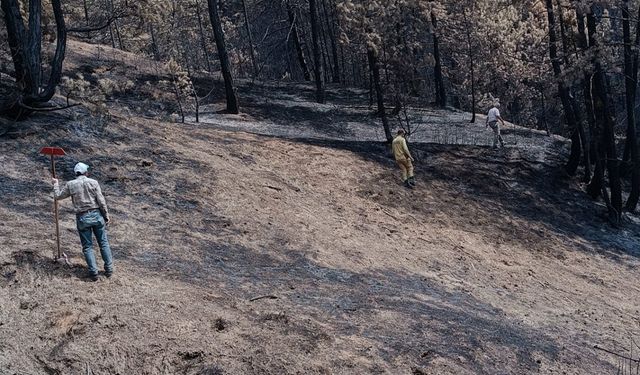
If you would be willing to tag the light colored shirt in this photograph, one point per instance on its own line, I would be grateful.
(493, 115)
(85, 193)
(400, 149)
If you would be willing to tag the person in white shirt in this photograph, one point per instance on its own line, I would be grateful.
(492, 121)
(92, 217)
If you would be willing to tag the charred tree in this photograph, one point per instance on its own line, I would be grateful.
(203, 38)
(631, 85)
(471, 65)
(332, 39)
(225, 66)
(565, 97)
(604, 117)
(295, 35)
(250, 39)
(441, 96)
(588, 142)
(26, 51)
(374, 66)
(317, 53)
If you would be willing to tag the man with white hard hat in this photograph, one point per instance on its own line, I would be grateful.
(92, 217)
(492, 121)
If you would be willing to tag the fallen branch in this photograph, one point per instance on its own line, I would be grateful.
(47, 109)
(617, 354)
(268, 296)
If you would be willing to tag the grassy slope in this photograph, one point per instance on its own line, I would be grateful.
(491, 265)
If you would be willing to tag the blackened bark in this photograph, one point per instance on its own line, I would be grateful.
(604, 116)
(203, 38)
(578, 140)
(26, 51)
(565, 96)
(326, 56)
(372, 56)
(154, 43)
(317, 58)
(589, 142)
(225, 66)
(296, 42)
(441, 96)
(250, 39)
(631, 84)
(471, 66)
(332, 40)
(116, 27)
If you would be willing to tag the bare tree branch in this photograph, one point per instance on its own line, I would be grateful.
(97, 28)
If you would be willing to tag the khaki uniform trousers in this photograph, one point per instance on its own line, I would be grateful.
(406, 167)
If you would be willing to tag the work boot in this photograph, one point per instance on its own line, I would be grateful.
(108, 274)
(93, 277)
(407, 184)
(412, 181)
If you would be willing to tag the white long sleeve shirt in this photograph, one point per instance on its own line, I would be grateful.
(85, 194)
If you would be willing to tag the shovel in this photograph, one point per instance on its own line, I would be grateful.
(56, 151)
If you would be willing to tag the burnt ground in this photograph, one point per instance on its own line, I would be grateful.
(290, 252)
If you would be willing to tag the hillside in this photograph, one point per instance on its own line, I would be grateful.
(280, 241)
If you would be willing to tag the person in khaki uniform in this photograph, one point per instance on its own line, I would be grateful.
(403, 158)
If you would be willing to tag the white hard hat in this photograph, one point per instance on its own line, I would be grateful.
(81, 168)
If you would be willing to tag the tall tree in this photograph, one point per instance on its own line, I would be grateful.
(441, 96)
(225, 66)
(317, 58)
(372, 55)
(332, 39)
(565, 96)
(203, 38)
(250, 39)
(26, 51)
(297, 44)
(631, 86)
(604, 117)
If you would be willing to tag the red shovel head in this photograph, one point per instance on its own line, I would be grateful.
(52, 151)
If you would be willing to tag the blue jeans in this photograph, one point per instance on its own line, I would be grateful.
(93, 223)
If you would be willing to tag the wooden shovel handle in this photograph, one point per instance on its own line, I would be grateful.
(55, 211)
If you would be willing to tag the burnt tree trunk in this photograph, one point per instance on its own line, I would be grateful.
(317, 58)
(631, 85)
(588, 142)
(578, 140)
(203, 38)
(225, 66)
(471, 66)
(441, 96)
(372, 56)
(250, 39)
(326, 56)
(26, 52)
(116, 27)
(604, 116)
(154, 43)
(565, 97)
(85, 7)
(296, 42)
(334, 48)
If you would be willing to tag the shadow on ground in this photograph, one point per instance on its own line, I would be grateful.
(409, 318)
(508, 183)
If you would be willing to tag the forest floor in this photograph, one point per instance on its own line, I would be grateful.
(298, 251)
